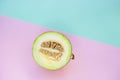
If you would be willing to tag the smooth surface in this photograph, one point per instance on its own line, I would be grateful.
(97, 20)
(93, 60)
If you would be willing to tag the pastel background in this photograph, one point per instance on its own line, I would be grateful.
(93, 26)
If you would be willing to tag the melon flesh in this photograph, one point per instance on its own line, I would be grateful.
(52, 57)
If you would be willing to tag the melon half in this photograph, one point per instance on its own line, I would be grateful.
(52, 50)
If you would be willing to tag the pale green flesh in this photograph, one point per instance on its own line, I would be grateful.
(54, 36)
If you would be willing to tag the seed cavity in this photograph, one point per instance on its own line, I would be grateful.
(55, 56)
(51, 55)
(52, 45)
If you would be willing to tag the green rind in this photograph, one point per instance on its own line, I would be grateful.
(64, 37)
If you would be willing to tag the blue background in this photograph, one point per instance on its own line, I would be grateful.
(98, 20)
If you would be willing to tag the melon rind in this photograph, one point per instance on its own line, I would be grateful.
(51, 65)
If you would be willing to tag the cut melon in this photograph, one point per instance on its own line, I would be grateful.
(52, 50)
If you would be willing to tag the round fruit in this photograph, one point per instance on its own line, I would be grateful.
(52, 50)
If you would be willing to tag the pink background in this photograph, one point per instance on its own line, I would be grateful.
(93, 60)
